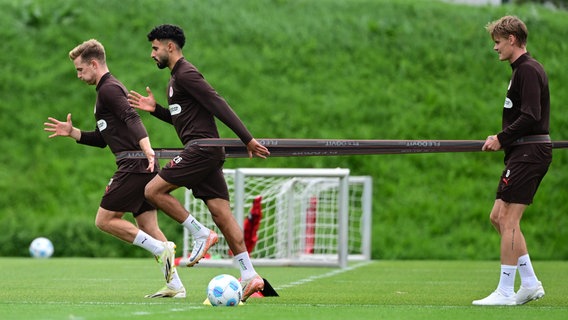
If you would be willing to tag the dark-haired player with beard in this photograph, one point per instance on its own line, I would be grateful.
(192, 108)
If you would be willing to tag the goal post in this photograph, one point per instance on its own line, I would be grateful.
(319, 217)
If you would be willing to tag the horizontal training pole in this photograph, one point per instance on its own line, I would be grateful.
(340, 144)
(234, 148)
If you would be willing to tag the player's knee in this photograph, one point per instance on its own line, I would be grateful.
(494, 220)
(103, 220)
(149, 194)
(102, 224)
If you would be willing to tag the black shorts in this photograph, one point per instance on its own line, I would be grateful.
(524, 170)
(125, 193)
(196, 171)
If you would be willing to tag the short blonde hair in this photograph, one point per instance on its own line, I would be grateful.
(89, 50)
(506, 26)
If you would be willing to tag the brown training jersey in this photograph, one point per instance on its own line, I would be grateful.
(527, 106)
(118, 124)
(193, 106)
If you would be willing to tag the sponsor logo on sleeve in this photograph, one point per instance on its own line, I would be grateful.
(175, 109)
(101, 124)
(508, 104)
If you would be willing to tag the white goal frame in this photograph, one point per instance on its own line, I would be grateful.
(348, 192)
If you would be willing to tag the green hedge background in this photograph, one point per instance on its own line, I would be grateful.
(350, 69)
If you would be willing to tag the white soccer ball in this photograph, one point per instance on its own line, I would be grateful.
(224, 290)
(41, 248)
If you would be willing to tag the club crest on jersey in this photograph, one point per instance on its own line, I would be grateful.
(101, 124)
(508, 104)
(175, 109)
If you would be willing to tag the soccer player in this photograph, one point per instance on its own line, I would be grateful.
(119, 126)
(192, 107)
(528, 154)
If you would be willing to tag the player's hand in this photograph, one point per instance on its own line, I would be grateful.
(151, 160)
(491, 144)
(59, 128)
(138, 101)
(257, 149)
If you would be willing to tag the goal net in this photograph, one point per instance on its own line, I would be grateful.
(293, 217)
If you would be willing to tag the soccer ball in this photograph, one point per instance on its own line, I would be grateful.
(224, 290)
(41, 248)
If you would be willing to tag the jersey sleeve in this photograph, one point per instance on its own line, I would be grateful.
(92, 138)
(162, 114)
(202, 91)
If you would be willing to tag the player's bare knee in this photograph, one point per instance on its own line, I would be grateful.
(102, 224)
(104, 218)
(494, 220)
(150, 195)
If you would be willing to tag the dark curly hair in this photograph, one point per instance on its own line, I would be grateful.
(168, 32)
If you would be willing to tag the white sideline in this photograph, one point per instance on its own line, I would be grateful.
(321, 276)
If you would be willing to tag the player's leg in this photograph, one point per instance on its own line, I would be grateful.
(505, 292)
(531, 288)
(158, 192)
(513, 243)
(112, 222)
(517, 187)
(125, 193)
(200, 174)
(224, 219)
(147, 222)
(226, 222)
(494, 215)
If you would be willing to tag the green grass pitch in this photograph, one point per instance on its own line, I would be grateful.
(83, 288)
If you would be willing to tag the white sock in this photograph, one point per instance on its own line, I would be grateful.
(195, 228)
(175, 283)
(245, 265)
(526, 271)
(507, 280)
(149, 243)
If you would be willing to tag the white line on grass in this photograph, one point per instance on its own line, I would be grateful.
(321, 276)
(188, 307)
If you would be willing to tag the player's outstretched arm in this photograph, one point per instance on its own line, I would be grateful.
(257, 149)
(138, 101)
(62, 129)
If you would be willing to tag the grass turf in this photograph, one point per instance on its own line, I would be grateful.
(83, 288)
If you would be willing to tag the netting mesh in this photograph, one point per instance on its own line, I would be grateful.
(294, 218)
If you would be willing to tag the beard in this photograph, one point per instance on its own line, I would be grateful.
(161, 63)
